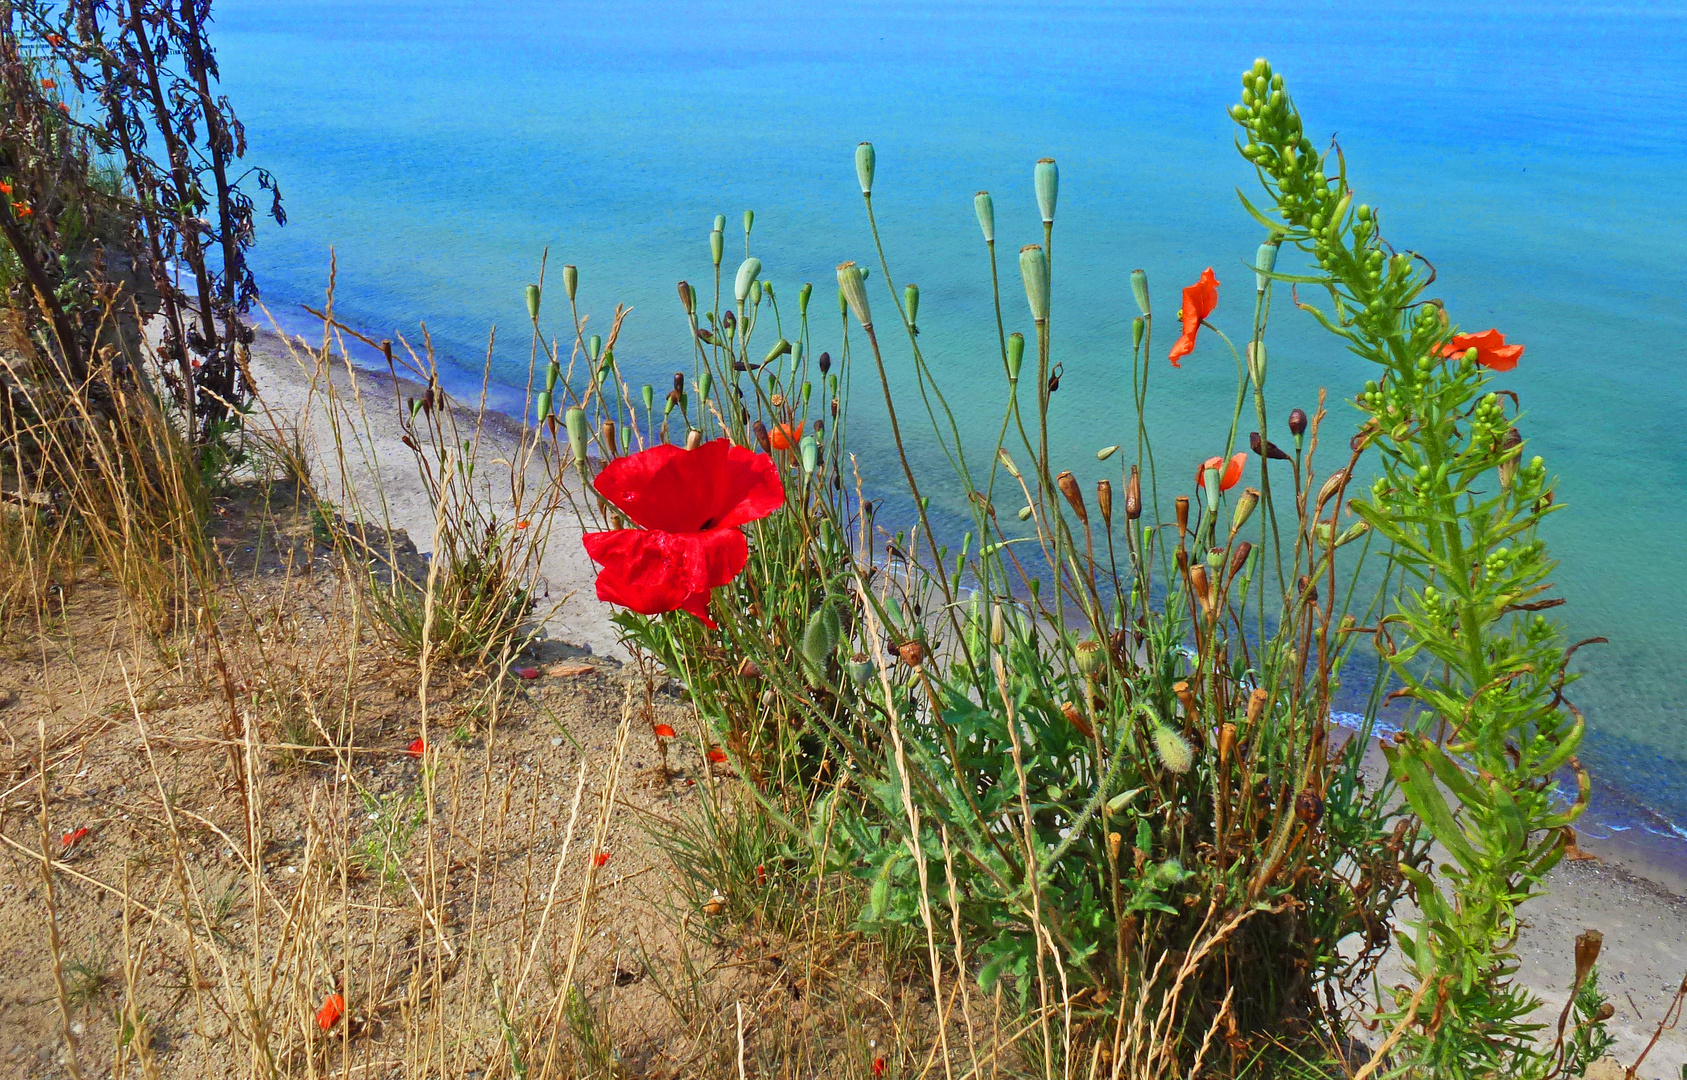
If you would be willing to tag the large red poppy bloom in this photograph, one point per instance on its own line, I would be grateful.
(1491, 350)
(1229, 473)
(1199, 300)
(689, 505)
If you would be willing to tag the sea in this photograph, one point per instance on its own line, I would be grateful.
(1535, 153)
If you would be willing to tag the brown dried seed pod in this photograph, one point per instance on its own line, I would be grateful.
(1182, 516)
(749, 669)
(1068, 485)
(912, 653)
(1185, 697)
(1309, 807)
(1076, 719)
(1104, 500)
(1256, 704)
(1133, 495)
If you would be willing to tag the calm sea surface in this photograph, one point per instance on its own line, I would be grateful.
(1536, 153)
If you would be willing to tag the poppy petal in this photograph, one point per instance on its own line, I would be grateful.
(1199, 300)
(1232, 472)
(717, 485)
(654, 572)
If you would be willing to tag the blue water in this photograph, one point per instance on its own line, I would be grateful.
(1537, 153)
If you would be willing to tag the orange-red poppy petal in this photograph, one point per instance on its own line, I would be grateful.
(1199, 300)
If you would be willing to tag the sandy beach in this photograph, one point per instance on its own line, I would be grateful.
(1625, 889)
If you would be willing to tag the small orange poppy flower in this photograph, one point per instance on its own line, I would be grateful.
(23, 209)
(333, 1007)
(878, 1066)
(717, 755)
(1199, 300)
(664, 731)
(1491, 350)
(417, 748)
(64, 108)
(5, 189)
(71, 839)
(785, 436)
(522, 524)
(54, 39)
(1227, 479)
(48, 84)
(600, 858)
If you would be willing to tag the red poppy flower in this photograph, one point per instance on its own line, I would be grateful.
(23, 211)
(1491, 350)
(1199, 300)
(333, 1007)
(689, 504)
(1228, 478)
(717, 755)
(71, 839)
(600, 858)
(54, 39)
(416, 748)
(664, 731)
(48, 84)
(878, 1066)
(5, 189)
(784, 436)
(522, 524)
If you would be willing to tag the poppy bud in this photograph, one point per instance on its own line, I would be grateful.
(594, 347)
(1272, 451)
(762, 440)
(679, 382)
(865, 160)
(1092, 657)
(693, 439)
(912, 653)
(1006, 459)
(911, 298)
(578, 434)
(1508, 465)
(780, 348)
(1239, 559)
(749, 222)
(810, 453)
(998, 625)
(1175, 754)
(1256, 362)
(705, 383)
(1068, 485)
(544, 405)
(1332, 486)
(1016, 355)
(1133, 495)
(985, 208)
(1265, 261)
(852, 286)
(1034, 269)
(748, 270)
(1309, 807)
(728, 320)
(705, 335)
(1308, 590)
(717, 245)
(1025, 513)
(860, 669)
(1046, 180)
(570, 281)
(756, 289)
(687, 298)
(1182, 515)
(675, 400)
(608, 441)
(1104, 500)
(1139, 289)
(533, 301)
(1353, 532)
(1076, 719)
(1139, 329)
(1106, 452)
(1297, 424)
(825, 362)
(553, 372)
(1244, 508)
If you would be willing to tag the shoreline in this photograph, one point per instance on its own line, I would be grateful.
(1633, 886)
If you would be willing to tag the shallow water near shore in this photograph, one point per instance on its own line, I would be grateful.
(1534, 154)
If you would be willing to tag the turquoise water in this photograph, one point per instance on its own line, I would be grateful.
(1536, 153)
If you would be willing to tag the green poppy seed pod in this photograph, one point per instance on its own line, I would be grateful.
(533, 301)
(544, 408)
(688, 298)
(747, 273)
(1244, 509)
(553, 372)
(860, 669)
(705, 383)
(749, 222)
(1139, 328)
(780, 348)
(1091, 656)
(807, 390)
(803, 294)
(649, 397)
(1139, 289)
(911, 297)
(1353, 532)
(1265, 261)
(571, 281)
(578, 434)
(1034, 268)
(1174, 752)
(1210, 478)
(756, 289)
(1046, 179)
(1016, 355)
(810, 453)
(985, 208)
(594, 347)
(717, 246)
(1106, 452)
(865, 160)
(853, 285)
